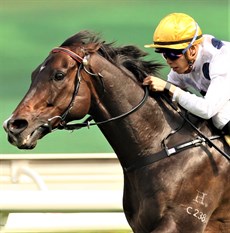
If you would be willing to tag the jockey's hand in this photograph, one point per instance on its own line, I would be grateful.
(155, 84)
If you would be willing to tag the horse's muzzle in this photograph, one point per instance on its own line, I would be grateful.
(20, 135)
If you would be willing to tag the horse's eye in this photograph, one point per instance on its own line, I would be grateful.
(59, 76)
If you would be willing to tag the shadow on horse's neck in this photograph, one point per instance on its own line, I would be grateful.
(138, 134)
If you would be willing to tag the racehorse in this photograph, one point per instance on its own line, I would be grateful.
(174, 181)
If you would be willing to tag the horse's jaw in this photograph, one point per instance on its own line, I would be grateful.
(26, 139)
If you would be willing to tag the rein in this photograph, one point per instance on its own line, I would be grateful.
(87, 123)
(169, 152)
(141, 162)
(201, 135)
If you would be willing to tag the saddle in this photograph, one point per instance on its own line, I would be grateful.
(227, 139)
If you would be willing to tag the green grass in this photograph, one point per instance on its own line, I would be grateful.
(30, 29)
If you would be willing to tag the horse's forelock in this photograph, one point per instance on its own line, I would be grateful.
(130, 56)
(83, 37)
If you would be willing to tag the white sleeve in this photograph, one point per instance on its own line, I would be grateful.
(176, 79)
(218, 92)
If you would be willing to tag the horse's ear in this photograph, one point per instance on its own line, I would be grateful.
(93, 47)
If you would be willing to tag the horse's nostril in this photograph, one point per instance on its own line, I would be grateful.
(17, 126)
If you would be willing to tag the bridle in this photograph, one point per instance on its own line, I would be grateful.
(83, 63)
(62, 117)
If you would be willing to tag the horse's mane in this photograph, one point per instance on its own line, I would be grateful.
(130, 56)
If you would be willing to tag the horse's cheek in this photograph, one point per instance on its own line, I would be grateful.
(81, 107)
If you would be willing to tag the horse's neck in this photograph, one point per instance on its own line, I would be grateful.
(141, 132)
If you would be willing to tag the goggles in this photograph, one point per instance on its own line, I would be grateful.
(171, 55)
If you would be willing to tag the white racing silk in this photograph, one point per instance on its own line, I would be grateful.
(210, 75)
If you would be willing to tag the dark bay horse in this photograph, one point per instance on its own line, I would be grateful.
(187, 192)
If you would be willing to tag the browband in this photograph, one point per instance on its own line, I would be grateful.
(68, 52)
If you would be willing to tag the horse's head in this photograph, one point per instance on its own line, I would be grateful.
(64, 88)
(54, 96)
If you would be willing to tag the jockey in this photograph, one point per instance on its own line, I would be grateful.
(198, 61)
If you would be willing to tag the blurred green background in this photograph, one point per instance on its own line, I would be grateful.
(31, 28)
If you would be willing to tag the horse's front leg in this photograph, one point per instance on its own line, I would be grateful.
(167, 225)
(145, 220)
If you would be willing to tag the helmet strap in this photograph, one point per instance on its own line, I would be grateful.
(192, 41)
(190, 63)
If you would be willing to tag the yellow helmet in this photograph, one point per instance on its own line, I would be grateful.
(176, 31)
